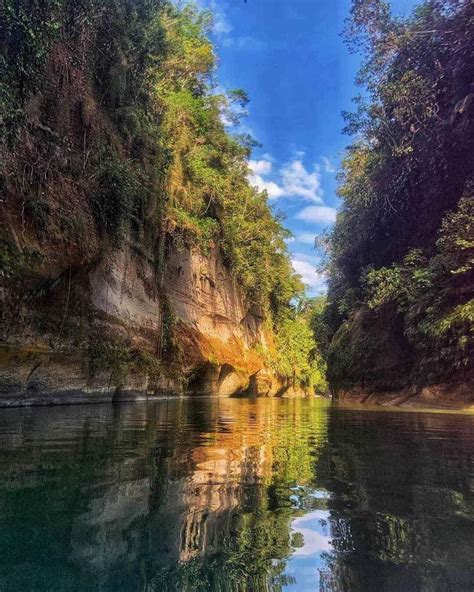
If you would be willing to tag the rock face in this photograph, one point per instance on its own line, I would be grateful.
(123, 288)
(125, 299)
(203, 295)
(217, 329)
(372, 362)
(452, 395)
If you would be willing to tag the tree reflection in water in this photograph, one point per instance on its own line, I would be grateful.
(234, 495)
(401, 502)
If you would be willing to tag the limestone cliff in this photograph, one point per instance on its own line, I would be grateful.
(100, 332)
(126, 213)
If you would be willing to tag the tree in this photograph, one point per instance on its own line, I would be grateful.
(411, 160)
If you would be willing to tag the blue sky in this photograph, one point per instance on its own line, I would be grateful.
(289, 57)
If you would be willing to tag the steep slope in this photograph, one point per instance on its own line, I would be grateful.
(103, 331)
(136, 259)
(401, 308)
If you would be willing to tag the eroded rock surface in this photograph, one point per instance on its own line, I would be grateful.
(127, 299)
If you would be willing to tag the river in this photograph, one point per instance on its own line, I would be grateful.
(235, 495)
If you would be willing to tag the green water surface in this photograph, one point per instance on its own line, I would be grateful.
(235, 495)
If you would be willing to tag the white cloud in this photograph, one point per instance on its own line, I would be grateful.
(220, 22)
(317, 214)
(328, 166)
(221, 26)
(293, 179)
(244, 43)
(309, 274)
(314, 541)
(245, 129)
(270, 187)
(260, 167)
(226, 121)
(310, 258)
(298, 181)
(306, 238)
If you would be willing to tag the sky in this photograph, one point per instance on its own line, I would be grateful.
(288, 55)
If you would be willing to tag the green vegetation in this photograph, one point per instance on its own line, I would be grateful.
(294, 346)
(298, 352)
(118, 359)
(424, 291)
(208, 196)
(401, 254)
(115, 132)
(121, 187)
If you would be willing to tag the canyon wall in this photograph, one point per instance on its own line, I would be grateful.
(99, 332)
(126, 215)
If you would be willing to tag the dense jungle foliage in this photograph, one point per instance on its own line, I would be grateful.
(401, 256)
(114, 129)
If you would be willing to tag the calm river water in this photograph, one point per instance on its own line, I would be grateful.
(235, 495)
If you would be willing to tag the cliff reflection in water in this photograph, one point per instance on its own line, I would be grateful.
(194, 495)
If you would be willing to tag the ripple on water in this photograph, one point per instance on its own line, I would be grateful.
(241, 495)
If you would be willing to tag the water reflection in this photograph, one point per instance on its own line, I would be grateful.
(402, 506)
(234, 495)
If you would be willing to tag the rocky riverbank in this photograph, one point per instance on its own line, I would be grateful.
(454, 395)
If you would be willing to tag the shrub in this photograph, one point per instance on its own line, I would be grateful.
(121, 192)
